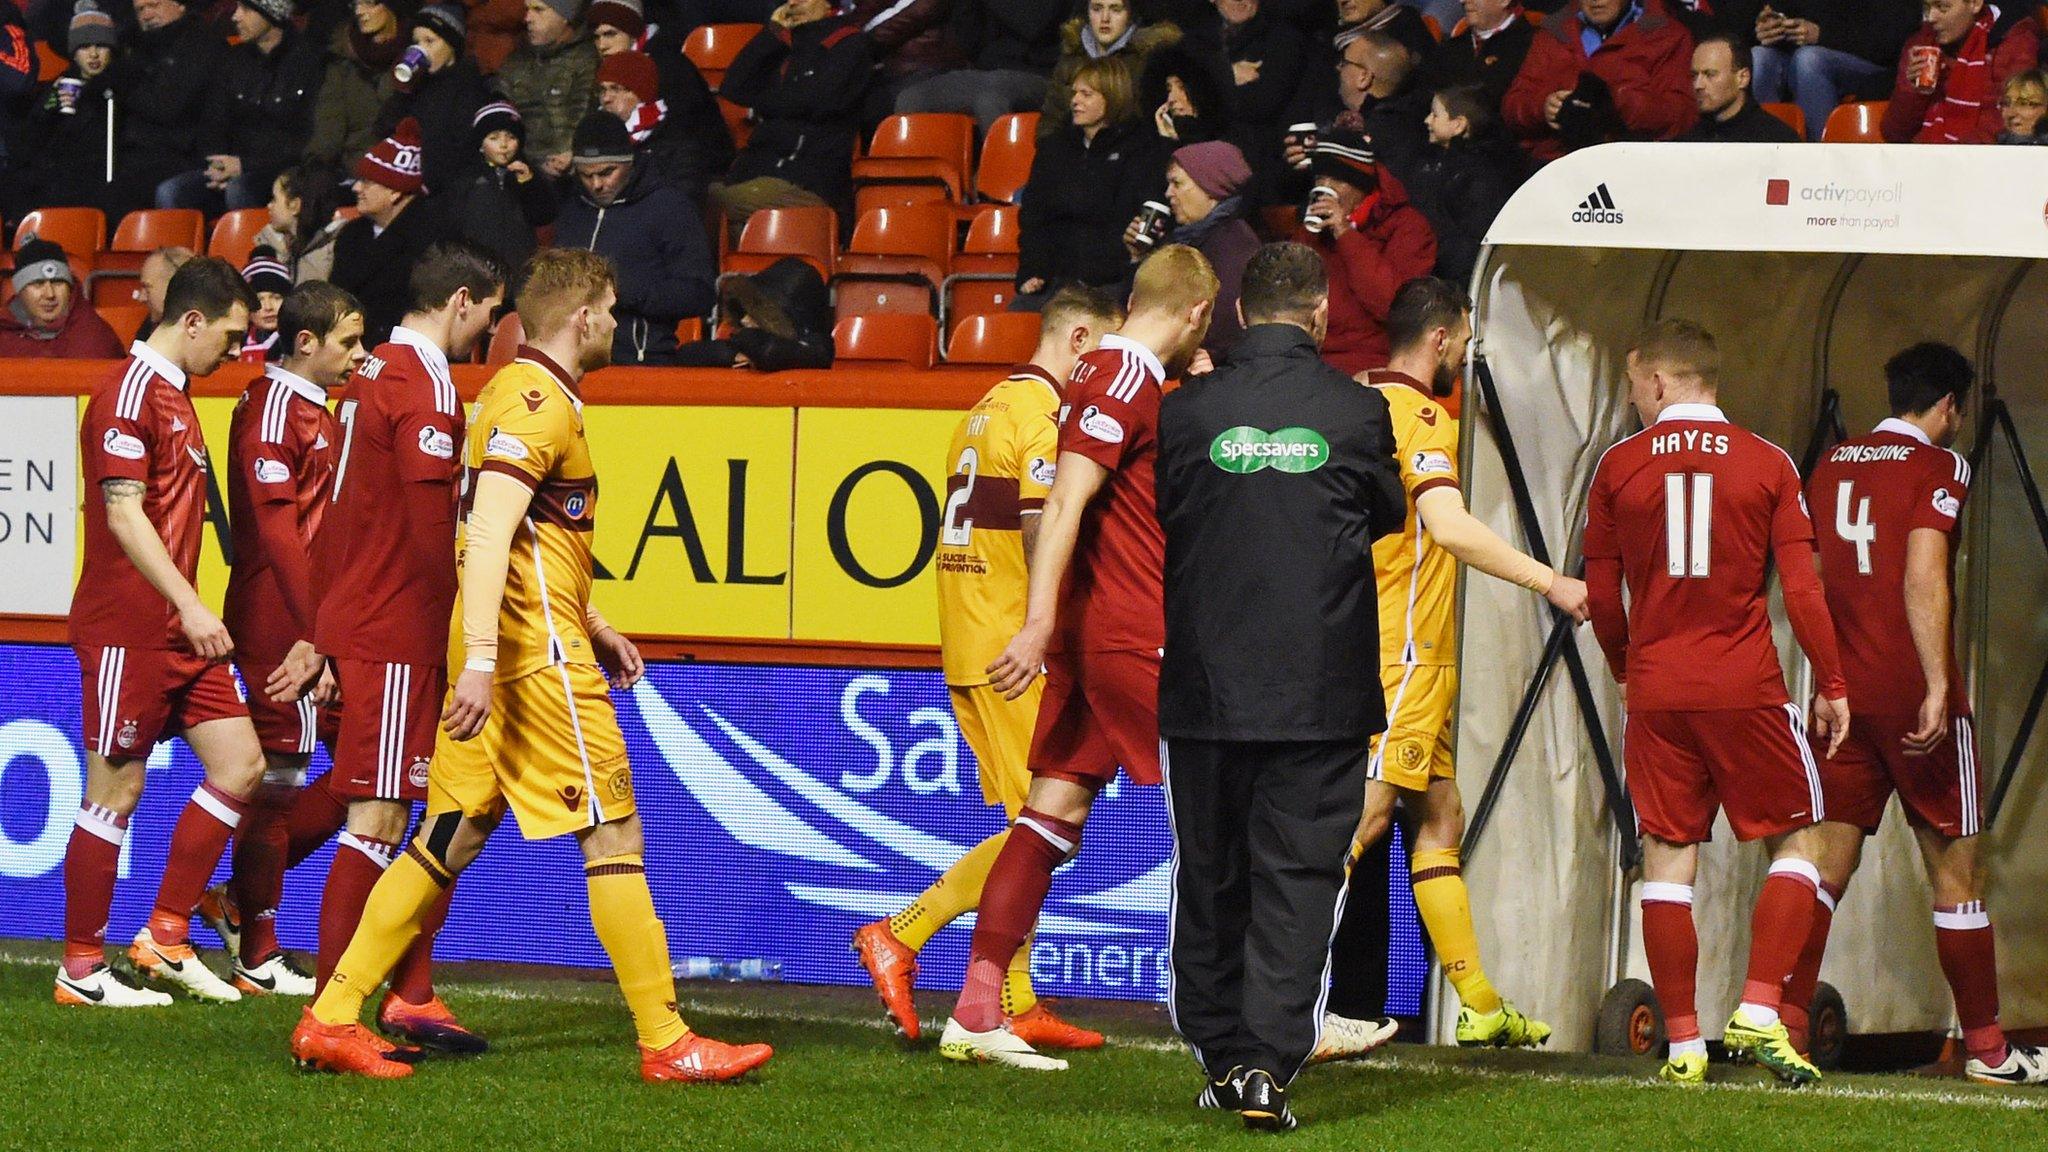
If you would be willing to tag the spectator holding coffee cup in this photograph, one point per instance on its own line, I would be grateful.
(60, 156)
(1205, 209)
(1372, 241)
(1953, 69)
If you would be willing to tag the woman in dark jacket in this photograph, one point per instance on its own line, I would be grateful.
(1087, 182)
(444, 99)
(1465, 176)
(1186, 92)
(1205, 189)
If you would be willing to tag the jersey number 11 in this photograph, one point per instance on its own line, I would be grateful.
(1688, 519)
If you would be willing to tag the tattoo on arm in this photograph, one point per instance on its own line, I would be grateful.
(118, 490)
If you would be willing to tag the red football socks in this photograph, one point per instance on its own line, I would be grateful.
(258, 880)
(91, 861)
(1672, 946)
(358, 862)
(1777, 935)
(1798, 997)
(316, 815)
(1962, 938)
(201, 834)
(413, 979)
(1010, 902)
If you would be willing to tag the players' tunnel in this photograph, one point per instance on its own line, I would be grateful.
(1812, 265)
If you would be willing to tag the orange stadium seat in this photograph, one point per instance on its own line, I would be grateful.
(125, 319)
(117, 291)
(1791, 114)
(926, 155)
(896, 261)
(234, 234)
(811, 233)
(711, 47)
(149, 229)
(506, 339)
(1856, 123)
(81, 231)
(738, 121)
(1006, 157)
(984, 274)
(892, 337)
(1003, 338)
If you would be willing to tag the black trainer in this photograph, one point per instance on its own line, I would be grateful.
(1222, 1093)
(1263, 1103)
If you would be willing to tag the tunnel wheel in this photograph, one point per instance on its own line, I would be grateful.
(1828, 1031)
(1631, 1023)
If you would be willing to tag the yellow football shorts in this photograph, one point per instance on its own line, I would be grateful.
(999, 732)
(551, 750)
(1416, 747)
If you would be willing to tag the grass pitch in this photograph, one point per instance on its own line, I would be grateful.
(562, 1075)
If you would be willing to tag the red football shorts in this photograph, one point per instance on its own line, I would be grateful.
(1100, 710)
(1752, 762)
(133, 697)
(1938, 790)
(289, 729)
(389, 715)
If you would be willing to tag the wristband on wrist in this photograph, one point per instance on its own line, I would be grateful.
(480, 664)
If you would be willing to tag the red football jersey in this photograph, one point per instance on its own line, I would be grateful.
(282, 446)
(385, 556)
(1115, 594)
(1869, 494)
(139, 425)
(1694, 509)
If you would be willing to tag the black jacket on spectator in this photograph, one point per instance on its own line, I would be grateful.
(691, 146)
(18, 68)
(1752, 125)
(445, 104)
(265, 113)
(1460, 189)
(790, 327)
(163, 105)
(654, 237)
(1205, 74)
(1262, 105)
(1019, 34)
(490, 206)
(1081, 196)
(1463, 58)
(60, 158)
(1395, 127)
(805, 87)
(910, 38)
(378, 268)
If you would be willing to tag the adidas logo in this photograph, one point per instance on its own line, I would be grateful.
(1598, 208)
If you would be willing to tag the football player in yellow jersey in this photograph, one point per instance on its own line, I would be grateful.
(529, 724)
(1002, 459)
(1428, 328)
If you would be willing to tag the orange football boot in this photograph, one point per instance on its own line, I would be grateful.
(892, 965)
(429, 1025)
(1041, 1029)
(346, 1048)
(701, 1060)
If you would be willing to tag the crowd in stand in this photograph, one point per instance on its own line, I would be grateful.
(1387, 135)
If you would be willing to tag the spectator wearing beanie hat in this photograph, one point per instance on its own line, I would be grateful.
(61, 152)
(358, 80)
(1371, 240)
(444, 98)
(374, 254)
(169, 89)
(271, 281)
(45, 318)
(1205, 186)
(551, 77)
(500, 200)
(689, 150)
(263, 118)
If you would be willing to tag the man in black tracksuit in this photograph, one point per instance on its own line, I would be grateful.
(1276, 474)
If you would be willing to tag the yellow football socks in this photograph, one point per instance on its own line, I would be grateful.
(1447, 914)
(1018, 995)
(954, 894)
(622, 912)
(391, 921)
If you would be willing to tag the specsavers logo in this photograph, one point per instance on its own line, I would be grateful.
(1245, 450)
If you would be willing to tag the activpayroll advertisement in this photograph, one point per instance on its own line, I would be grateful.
(784, 806)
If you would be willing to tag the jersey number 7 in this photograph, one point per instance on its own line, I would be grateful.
(1688, 521)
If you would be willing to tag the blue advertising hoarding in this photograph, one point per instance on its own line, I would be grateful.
(784, 806)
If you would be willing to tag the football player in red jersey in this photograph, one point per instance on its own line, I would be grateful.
(282, 446)
(1690, 513)
(384, 578)
(1890, 506)
(152, 657)
(1094, 621)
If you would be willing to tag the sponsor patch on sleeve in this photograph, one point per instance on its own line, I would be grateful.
(1101, 425)
(271, 471)
(505, 446)
(1042, 471)
(1946, 503)
(119, 443)
(1432, 463)
(437, 443)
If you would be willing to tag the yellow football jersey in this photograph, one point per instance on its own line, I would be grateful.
(1002, 461)
(528, 424)
(1418, 580)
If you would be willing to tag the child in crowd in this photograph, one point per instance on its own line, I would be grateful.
(268, 278)
(2023, 109)
(1464, 177)
(500, 201)
(303, 221)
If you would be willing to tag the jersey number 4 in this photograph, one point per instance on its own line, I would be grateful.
(1860, 531)
(1688, 522)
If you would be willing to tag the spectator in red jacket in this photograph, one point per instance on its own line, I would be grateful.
(1371, 240)
(43, 320)
(1610, 70)
(1954, 68)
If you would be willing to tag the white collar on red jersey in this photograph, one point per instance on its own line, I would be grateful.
(293, 382)
(170, 373)
(1144, 354)
(1899, 427)
(1705, 413)
(430, 352)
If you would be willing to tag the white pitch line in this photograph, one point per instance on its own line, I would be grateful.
(2019, 1101)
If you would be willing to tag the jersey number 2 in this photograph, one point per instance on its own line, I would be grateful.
(958, 533)
(1688, 521)
(1861, 531)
